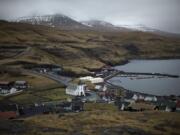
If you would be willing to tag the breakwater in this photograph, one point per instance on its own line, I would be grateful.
(139, 73)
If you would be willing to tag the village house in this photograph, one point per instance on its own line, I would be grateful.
(126, 104)
(33, 110)
(44, 68)
(75, 104)
(130, 97)
(150, 98)
(143, 97)
(135, 97)
(121, 103)
(133, 101)
(170, 106)
(7, 91)
(7, 88)
(94, 80)
(90, 96)
(101, 87)
(76, 89)
(9, 111)
(6, 84)
(178, 105)
(165, 105)
(21, 85)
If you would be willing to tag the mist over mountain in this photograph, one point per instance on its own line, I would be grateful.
(103, 26)
(66, 22)
(158, 14)
(56, 20)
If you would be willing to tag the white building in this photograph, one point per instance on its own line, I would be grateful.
(93, 80)
(101, 87)
(141, 97)
(76, 90)
(8, 91)
(13, 90)
(150, 99)
(135, 97)
(21, 84)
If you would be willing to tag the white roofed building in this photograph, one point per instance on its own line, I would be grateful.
(76, 90)
(150, 99)
(93, 80)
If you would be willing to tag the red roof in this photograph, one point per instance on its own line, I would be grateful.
(8, 115)
(178, 104)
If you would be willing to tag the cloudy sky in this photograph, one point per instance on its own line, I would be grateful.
(159, 14)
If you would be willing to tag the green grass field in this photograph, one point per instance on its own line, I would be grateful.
(31, 97)
(40, 89)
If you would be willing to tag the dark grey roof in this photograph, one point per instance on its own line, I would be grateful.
(20, 82)
(129, 95)
(165, 103)
(12, 107)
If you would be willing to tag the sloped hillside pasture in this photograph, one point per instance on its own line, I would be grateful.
(80, 50)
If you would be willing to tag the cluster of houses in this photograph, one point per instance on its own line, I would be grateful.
(12, 111)
(86, 92)
(129, 100)
(87, 89)
(80, 89)
(12, 87)
(133, 101)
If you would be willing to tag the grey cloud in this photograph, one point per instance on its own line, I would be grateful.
(160, 14)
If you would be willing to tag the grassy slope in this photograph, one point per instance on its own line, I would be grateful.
(98, 119)
(81, 51)
(41, 89)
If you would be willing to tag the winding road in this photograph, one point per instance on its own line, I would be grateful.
(58, 78)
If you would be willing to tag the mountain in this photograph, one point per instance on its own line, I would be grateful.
(138, 27)
(65, 22)
(57, 20)
(144, 28)
(103, 26)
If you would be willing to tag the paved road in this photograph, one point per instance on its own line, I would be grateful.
(62, 79)
(58, 78)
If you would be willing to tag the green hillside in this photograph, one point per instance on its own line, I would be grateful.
(79, 51)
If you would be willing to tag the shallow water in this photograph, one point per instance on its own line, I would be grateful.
(151, 85)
